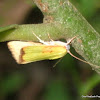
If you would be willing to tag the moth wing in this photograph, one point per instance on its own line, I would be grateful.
(43, 52)
(16, 46)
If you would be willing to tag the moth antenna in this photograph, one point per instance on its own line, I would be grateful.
(79, 58)
(69, 41)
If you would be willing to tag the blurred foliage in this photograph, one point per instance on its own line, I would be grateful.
(69, 80)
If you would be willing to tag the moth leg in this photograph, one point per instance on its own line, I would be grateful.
(57, 62)
(41, 41)
(50, 37)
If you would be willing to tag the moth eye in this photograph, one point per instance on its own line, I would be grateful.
(67, 47)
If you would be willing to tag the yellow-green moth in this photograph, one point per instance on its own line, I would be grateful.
(26, 52)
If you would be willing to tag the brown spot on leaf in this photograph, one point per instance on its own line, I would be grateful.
(80, 41)
(61, 3)
(48, 19)
(44, 6)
